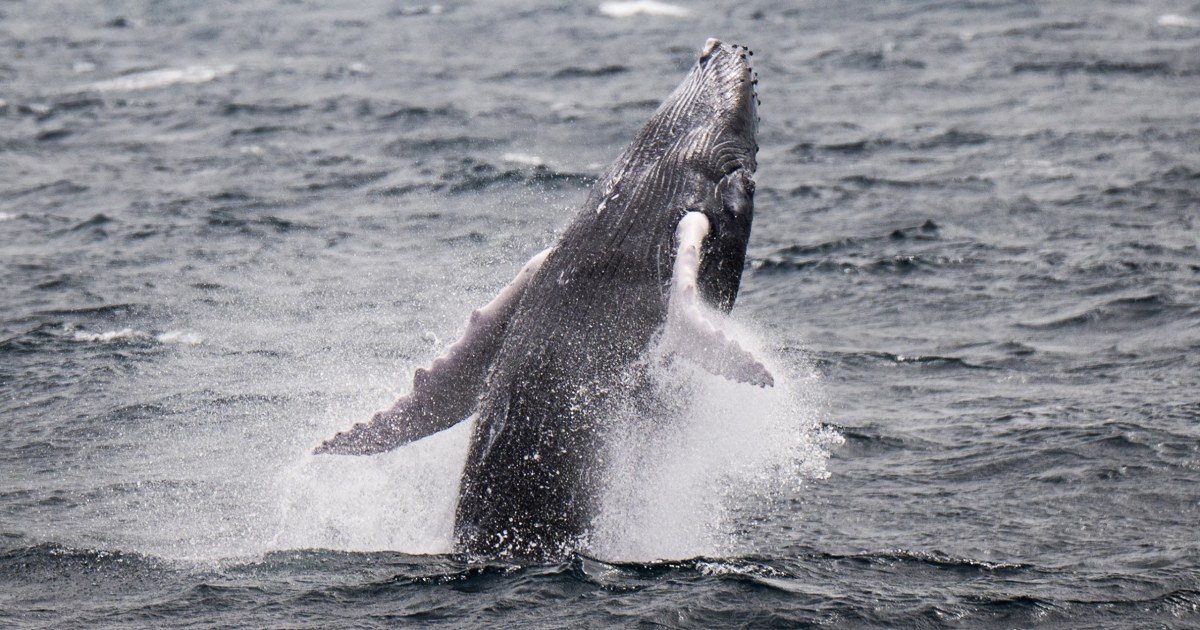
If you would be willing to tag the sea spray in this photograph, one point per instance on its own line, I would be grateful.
(684, 471)
(401, 501)
(686, 463)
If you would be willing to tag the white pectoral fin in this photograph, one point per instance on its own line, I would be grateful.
(690, 333)
(448, 391)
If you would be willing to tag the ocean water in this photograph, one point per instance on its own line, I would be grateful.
(228, 230)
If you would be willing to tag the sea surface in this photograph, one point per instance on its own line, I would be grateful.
(230, 229)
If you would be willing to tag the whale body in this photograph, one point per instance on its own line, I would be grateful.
(659, 243)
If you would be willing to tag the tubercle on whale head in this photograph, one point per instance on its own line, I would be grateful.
(704, 130)
(721, 95)
(708, 125)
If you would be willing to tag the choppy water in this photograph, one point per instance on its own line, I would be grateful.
(228, 230)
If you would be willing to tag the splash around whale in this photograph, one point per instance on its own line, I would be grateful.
(657, 247)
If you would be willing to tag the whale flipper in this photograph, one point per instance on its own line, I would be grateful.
(689, 332)
(448, 391)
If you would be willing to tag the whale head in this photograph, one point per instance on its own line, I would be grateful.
(707, 125)
(718, 105)
(695, 153)
(713, 115)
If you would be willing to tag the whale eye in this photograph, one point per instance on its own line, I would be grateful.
(736, 192)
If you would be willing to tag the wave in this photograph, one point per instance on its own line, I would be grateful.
(1173, 20)
(930, 559)
(411, 114)
(634, 8)
(897, 587)
(575, 72)
(1173, 189)
(464, 175)
(921, 361)
(346, 181)
(1119, 313)
(1044, 29)
(969, 182)
(36, 339)
(903, 250)
(272, 113)
(242, 218)
(927, 231)
(164, 77)
(17, 562)
(857, 147)
(894, 264)
(1105, 67)
(873, 59)
(56, 187)
(182, 337)
(269, 108)
(1039, 450)
(102, 310)
(408, 147)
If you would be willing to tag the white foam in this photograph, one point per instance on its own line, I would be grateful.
(678, 485)
(689, 483)
(182, 337)
(104, 337)
(1178, 21)
(401, 501)
(4, 216)
(727, 568)
(433, 9)
(163, 78)
(523, 159)
(633, 8)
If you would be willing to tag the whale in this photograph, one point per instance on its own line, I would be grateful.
(642, 275)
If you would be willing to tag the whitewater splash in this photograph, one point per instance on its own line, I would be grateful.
(164, 77)
(679, 481)
(682, 479)
(214, 452)
(402, 500)
(634, 8)
(182, 337)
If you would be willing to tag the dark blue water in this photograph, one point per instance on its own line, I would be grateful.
(229, 230)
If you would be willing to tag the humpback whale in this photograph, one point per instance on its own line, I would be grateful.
(657, 248)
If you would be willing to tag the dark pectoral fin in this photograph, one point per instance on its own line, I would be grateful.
(448, 391)
(689, 331)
